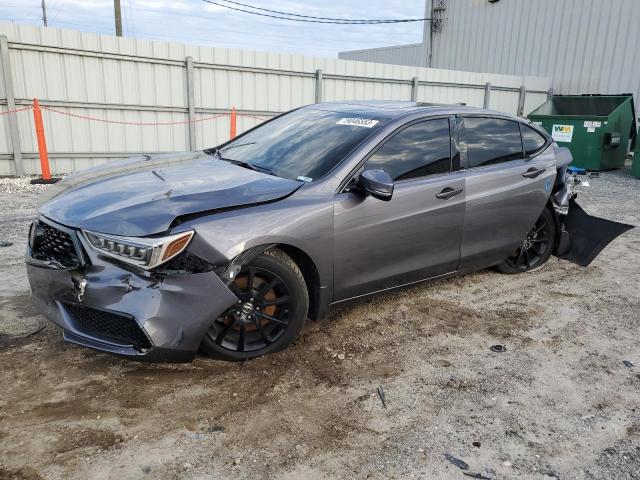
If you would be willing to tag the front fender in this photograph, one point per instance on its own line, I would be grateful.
(303, 223)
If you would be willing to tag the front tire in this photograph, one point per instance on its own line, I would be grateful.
(271, 312)
(535, 250)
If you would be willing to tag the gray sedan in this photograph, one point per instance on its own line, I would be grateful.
(231, 249)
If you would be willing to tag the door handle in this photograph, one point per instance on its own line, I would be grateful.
(533, 172)
(448, 193)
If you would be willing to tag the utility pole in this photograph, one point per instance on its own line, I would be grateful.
(44, 13)
(118, 14)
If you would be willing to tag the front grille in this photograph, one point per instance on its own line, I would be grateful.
(187, 262)
(109, 325)
(53, 245)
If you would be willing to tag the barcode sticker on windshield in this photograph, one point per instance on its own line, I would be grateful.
(357, 122)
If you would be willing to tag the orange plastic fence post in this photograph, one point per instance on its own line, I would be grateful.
(42, 143)
(232, 132)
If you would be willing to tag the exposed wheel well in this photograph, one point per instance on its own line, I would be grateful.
(310, 274)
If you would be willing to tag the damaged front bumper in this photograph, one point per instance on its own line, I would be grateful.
(141, 315)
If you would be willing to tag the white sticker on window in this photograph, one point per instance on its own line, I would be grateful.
(562, 133)
(357, 122)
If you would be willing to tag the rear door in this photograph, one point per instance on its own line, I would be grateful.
(415, 235)
(507, 184)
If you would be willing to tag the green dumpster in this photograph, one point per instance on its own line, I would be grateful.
(635, 169)
(596, 128)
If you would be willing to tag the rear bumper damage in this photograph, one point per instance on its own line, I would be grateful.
(586, 236)
(138, 315)
(581, 236)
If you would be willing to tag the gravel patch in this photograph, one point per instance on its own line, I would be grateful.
(20, 185)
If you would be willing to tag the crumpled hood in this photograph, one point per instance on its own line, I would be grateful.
(143, 195)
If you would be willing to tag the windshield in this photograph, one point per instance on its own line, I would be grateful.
(302, 145)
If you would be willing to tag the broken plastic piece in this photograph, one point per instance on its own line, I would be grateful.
(382, 396)
(498, 348)
(628, 364)
(456, 461)
(476, 475)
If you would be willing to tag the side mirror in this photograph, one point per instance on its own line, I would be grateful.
(377, 183)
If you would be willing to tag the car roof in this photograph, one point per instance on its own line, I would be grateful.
(393, 109)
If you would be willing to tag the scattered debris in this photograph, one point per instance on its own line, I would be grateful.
(476, 444)
(506, 464)
(214, 429)
(476, 475)
(628, 364)
(498, 348)
(5, 243)
(382, 396)
(456, 461)
(341, 356)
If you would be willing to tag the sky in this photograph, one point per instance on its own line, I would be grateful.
(196, 22)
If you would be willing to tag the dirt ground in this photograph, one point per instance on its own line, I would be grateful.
(558, 403)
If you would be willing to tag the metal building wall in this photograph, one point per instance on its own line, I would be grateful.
(412, 54)
(584, 46)
(141, 82)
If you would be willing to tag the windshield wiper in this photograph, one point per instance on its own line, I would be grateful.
(240, 163)
(248, 165)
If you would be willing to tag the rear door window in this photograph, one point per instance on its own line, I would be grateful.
(491, 141)
(417, 151)
(531, 140)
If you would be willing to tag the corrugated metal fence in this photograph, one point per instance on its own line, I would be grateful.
(106, 98)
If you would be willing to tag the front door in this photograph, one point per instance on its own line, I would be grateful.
(415, 235)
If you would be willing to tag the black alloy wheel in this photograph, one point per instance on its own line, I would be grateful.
(535, 249)
(271, 309)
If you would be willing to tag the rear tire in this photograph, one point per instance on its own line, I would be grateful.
(272, 310)
(535, 250)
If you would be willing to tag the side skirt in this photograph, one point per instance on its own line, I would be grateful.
(366, 296)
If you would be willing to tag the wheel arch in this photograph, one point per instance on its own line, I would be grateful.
(311, 277)
(318, 295)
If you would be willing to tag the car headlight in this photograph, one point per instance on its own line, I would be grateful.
(146, 253)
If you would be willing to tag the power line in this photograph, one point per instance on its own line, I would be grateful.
(310, 19)
(358, 20)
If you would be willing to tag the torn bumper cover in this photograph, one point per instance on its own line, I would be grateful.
(587, 235)
(107, 307)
